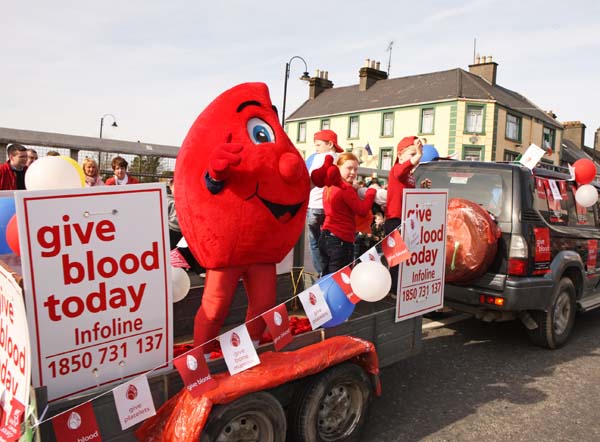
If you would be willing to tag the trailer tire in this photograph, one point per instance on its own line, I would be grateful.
(555, 325)
(255, 417)
(331, 406)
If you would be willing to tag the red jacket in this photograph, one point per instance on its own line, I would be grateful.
(112, 181)
(400, 178)
(341, 204)
(8, 178)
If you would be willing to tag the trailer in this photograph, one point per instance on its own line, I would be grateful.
(290, 408)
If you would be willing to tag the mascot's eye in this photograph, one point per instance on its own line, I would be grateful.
(260, 132)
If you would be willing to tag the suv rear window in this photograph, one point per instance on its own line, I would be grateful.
(563, 211)
(490, 188)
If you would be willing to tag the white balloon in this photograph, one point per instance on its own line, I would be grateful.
(586, 195)
(370, 281)
(180, 283)
(52, 173)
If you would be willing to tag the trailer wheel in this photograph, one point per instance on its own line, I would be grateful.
(257, 417)
(555, 325)
(332, 406)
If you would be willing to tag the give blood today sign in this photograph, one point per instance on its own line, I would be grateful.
(97, 284)
(421, 276)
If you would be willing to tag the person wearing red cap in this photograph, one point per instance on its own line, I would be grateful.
(326, 145)
(409, 153)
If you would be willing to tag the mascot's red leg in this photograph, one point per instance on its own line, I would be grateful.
(260, 282)
(216, 300)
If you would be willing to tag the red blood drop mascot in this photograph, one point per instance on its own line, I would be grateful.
(242, 192)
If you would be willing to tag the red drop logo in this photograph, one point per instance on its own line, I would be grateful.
(131, 392)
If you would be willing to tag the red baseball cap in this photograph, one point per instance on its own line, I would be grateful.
(406, 142)
(329, 135)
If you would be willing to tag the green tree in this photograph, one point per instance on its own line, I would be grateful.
(146, 167)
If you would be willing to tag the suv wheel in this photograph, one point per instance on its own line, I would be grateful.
(555, 325)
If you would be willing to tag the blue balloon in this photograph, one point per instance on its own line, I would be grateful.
(430, 153)
(7, 210)
(341, 308)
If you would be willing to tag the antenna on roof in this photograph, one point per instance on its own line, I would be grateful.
(474, 48)
(389, 49)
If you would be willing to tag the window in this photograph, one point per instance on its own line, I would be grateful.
(555, 211)
(386, 157)
(579, 215)
(387, 125)
(474, 123)
(301, 133)
(325, 124)
(353, 127)
(548, 138)
(472, 153)
(513, 127)
(509, 155)
(427, 120)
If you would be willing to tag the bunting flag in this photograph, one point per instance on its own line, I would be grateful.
(194, 372)
(238, 351)
(278, 324)
(394, 249)
(77, 424)
(342, 277)
(316, 308)
(368, 149)
(134, 402)
(177, 259)
(12, 417)
(370, 255)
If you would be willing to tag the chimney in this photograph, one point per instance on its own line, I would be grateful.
(318, 84)
(574, 131)
(485, 68)
(369, 74)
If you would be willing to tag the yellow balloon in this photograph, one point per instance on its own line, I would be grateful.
(77, 167)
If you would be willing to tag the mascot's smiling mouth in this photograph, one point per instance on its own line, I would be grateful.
(282, 212)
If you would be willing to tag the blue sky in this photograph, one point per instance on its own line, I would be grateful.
(155, 65)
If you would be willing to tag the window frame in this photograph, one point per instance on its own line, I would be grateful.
(325, 122)
(421, 119)
(519, 128)
(382, 152)
(301, 125)
(472, 147)
(350, 119)
(514, 155)
(553, 133)
(483, 110)
(383, 120)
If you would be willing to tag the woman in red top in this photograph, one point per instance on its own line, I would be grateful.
(341, 204)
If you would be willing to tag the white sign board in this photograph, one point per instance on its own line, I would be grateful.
(421, 277)
(97, 282)
(15, 350)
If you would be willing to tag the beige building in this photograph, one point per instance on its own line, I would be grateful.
(466, 115)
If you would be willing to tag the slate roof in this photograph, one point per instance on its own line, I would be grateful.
(571, 153)
(416, 89)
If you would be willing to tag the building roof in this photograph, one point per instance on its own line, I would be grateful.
(571, 153)
(50, 139)
(417, 89)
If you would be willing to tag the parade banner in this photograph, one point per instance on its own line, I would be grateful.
(15, 357)
(97, 283)
(421, 276)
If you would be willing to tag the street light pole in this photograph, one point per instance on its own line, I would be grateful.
(114, 124)
(305, 77)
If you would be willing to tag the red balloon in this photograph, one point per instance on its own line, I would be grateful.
(12, 236)
(585, 171)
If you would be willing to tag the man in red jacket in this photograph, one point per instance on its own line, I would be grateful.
(12, 173)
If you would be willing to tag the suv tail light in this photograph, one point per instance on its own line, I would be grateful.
(518, 256)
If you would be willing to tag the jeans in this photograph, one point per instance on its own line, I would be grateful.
(335, 252)
(314, 220)
(389, 226)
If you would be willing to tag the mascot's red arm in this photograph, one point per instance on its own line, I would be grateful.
(242, 193)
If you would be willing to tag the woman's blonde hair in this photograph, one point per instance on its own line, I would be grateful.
(88, 160)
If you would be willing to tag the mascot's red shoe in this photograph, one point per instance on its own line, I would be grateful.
(242, 193)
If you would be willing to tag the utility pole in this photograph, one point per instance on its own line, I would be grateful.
(389, 49)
